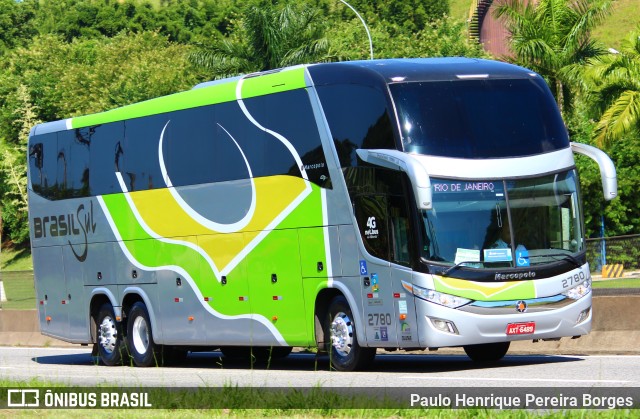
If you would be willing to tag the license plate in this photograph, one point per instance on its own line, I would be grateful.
(521, 328)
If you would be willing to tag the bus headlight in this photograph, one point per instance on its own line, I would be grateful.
(579, 291)
(447, 300)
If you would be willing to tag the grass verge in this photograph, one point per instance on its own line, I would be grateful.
(19, 289)
(617, 283)
(15, 259)
(615, 28)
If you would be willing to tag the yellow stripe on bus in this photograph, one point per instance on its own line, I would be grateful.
(167, 218)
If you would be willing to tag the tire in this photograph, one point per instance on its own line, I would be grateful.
(111, 345)
(144, 352)
(345, 353)
(487, 352)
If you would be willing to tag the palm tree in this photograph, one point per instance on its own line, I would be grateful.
(552, 37)
(268, 38)
(615, 82)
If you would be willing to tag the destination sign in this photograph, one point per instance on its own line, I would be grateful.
(464, 187)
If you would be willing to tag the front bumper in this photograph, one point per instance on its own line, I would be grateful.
(477, 325)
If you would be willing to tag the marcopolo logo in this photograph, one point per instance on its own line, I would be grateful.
(514, 275)
(80, 224)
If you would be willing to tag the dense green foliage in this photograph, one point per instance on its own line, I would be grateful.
(552, 37)
(613, 80)
(65, 58)
(268, 38)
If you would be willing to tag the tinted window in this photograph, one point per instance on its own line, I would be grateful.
(373, 180)
(215, 143)
(43, 166)
(72, 162)
(266, 149)
(358, 117)
(141, 167)
(198, 150)
(479, 118)
(210, 144)
(106, 155)
(380, 201)
(371, 214)
(290, 114)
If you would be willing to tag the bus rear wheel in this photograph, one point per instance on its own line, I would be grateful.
(345, 353)
(143, 350)
(112, 348)
(487, 352)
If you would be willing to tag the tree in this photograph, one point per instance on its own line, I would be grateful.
(552, 37)
(614, 81)
(268, 37)
(410, 15)
(179, 20)
(13, 173)
(125, 69)
(444, 37)
(53, 79)
(16, 23)
(92, 75)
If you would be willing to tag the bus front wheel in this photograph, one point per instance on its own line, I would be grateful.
(487, 352)
(144, 351)
(345, 353)
(111, 345)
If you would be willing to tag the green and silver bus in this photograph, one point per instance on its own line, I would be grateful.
(354, 206)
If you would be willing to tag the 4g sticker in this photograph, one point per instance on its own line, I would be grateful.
(372, 228)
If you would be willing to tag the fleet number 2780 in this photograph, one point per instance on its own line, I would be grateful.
(379, 319)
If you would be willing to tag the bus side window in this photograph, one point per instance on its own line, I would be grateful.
(36, 162)
(399, 230)
(141, 137)
(358, 117)
(290, 115)
(107, 157)
(198, 151)
(42, 165)
(371, 215)
(73, 163)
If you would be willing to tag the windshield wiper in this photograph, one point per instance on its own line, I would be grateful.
(562, 256)
(457, 265)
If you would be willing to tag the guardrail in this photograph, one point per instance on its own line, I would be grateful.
(624, 250)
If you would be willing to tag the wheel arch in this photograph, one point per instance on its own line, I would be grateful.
(99, 297)
(323, 299)
(132, 295)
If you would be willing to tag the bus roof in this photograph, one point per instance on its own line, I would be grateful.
(415, 69)
(371, 72)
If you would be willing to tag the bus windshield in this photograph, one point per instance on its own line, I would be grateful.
(503, 223)
(483, 118)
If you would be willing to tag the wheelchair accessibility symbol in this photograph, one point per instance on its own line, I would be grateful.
(363, 267)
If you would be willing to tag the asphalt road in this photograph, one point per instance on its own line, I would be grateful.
(75, 366)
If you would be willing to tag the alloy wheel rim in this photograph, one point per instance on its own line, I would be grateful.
(342, 334)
